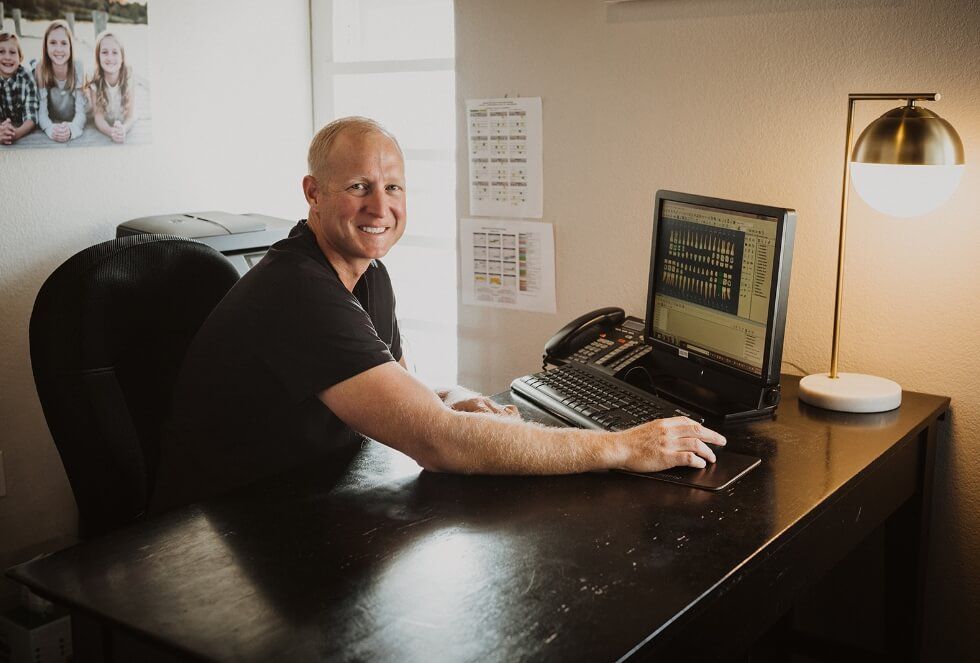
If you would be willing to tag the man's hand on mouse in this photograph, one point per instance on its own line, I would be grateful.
(665, 443)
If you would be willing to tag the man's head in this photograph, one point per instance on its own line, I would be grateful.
(356, 192)
(11, 54)
(325, 138)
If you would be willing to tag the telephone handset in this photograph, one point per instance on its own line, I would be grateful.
(581, 331)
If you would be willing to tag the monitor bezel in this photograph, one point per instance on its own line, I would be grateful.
(778, 293)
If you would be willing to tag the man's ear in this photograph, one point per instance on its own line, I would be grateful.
(311, 188)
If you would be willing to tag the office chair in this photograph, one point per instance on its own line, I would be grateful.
(108, 332)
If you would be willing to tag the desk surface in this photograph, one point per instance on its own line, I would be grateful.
(386, 562)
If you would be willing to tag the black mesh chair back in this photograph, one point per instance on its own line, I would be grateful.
(109, 330)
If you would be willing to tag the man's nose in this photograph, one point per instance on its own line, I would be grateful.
(374, 203)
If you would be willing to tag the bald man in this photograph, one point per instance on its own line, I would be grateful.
(303, 357)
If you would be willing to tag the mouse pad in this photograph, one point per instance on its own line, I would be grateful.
(729, 467)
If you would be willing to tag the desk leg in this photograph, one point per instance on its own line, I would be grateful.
(907, 542)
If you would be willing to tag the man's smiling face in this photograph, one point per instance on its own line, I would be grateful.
(358, 208)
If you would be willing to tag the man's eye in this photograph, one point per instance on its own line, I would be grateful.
(394, 187)
(360, 186)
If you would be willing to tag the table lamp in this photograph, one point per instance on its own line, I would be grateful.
(905, 163)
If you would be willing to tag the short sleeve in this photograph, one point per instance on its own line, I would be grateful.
(383, 311)
(314, 333)
(396, 341)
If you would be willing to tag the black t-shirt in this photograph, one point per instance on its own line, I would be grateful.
(245, 405)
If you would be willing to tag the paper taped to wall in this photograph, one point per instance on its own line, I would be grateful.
(505, 154)
(508, 264)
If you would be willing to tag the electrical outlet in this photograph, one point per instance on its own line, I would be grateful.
(3, 478)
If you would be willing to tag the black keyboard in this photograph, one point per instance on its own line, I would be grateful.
(591, 400)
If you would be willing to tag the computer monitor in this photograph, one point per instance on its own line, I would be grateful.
(719, 280)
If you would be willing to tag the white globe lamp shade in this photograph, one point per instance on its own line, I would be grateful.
(908, 162)
(905, 191)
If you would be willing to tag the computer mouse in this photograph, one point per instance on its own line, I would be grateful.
(717, 449)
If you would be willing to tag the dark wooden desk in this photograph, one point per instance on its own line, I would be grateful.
(387, 563)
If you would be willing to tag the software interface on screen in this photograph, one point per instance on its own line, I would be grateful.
(713, 282)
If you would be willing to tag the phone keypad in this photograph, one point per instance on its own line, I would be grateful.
(592, 349)
(623, 347)
(628, 358)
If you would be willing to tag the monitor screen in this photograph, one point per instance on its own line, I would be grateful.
(713, 282)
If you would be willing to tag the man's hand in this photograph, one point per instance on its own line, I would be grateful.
(464, 400)
(484, 404)
(666, 443)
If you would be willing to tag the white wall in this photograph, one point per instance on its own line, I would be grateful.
(232, 118)
(746, 99)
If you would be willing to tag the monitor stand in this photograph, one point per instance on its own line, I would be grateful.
(717, 405)
(721, 398)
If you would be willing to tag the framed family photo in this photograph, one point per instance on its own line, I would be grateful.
(74, 73)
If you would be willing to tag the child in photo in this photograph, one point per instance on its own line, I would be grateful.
(18, 94)
(111, 90)
(59, 78)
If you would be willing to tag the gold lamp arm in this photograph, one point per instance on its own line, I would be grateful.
(849, 137)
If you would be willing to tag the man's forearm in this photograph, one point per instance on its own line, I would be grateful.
(471, 443)
(492, 444)
(391, 406)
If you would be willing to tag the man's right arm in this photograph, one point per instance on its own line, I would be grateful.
(392, 406)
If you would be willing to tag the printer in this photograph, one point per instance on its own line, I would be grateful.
(242, 238)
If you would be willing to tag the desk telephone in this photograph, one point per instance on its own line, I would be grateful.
(605, 338)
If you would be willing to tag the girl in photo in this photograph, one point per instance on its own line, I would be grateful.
(111, 90)
(18, 94)
(59, 79)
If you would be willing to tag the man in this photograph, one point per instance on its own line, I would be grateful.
(306, 348)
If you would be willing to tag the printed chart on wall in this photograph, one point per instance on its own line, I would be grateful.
(506, 177)
(508, 264)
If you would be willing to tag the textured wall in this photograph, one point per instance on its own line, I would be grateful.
(219, 143)
(746, 99)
